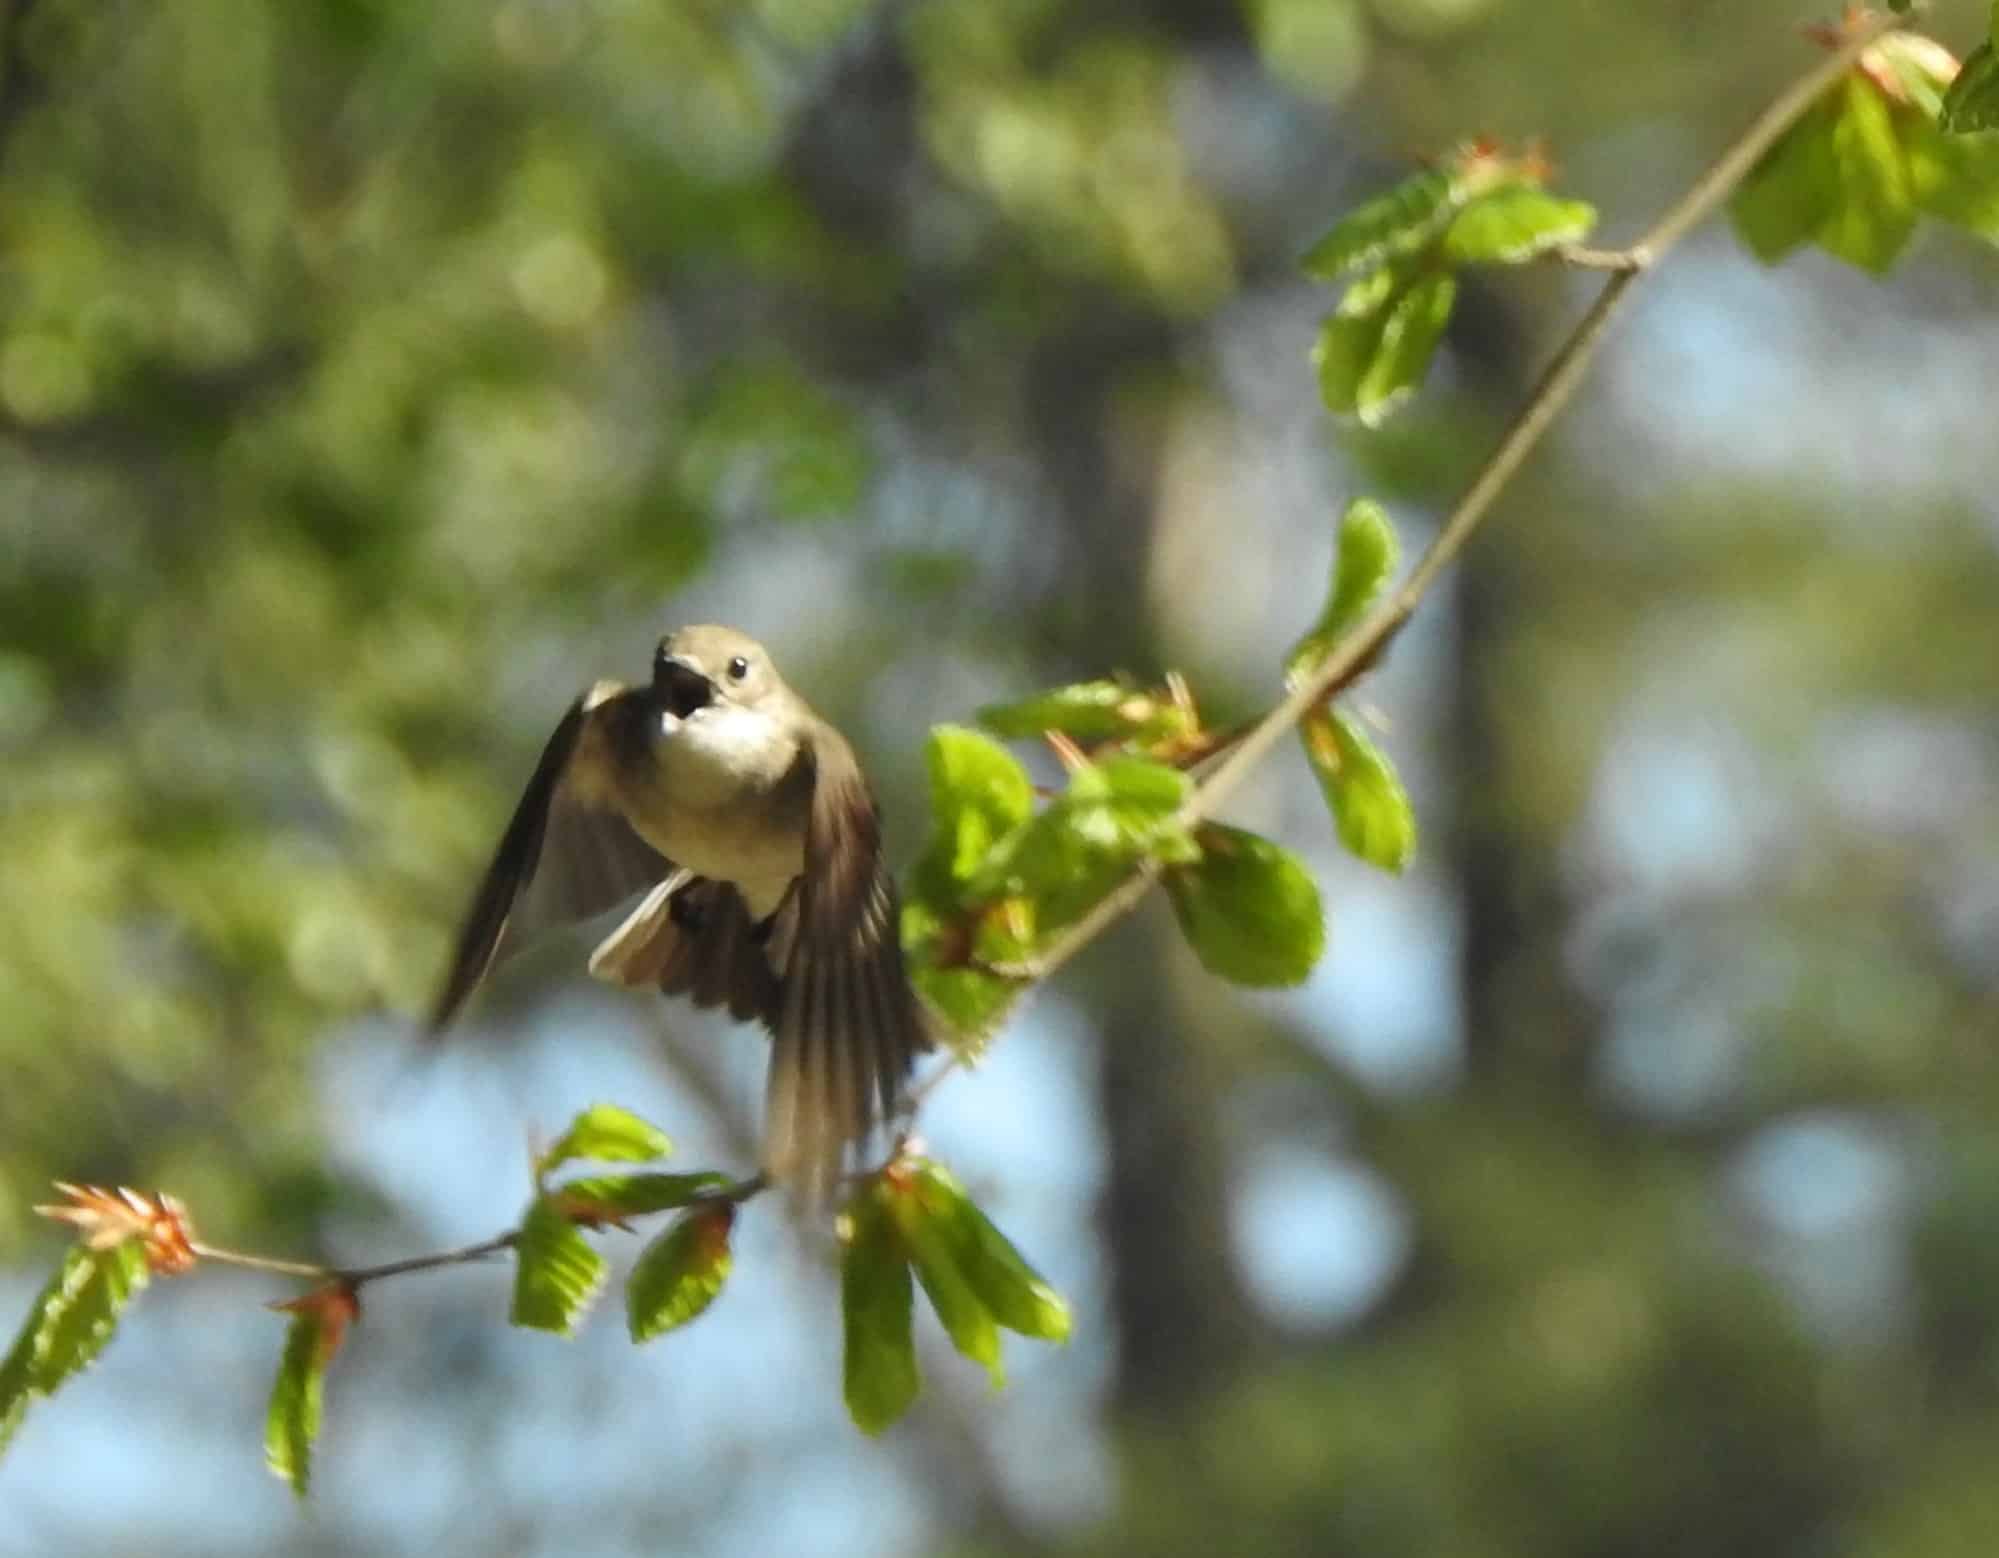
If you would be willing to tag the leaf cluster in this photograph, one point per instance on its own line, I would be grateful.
(1877, 153)
(909, 1225)
(1399, 255)
(1000, 879)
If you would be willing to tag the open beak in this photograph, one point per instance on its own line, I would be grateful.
(681, 688)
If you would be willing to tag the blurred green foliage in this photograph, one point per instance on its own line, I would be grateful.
(359, 361)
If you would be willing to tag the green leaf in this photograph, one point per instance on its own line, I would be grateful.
(876, 1301)
(71, 1320)
(557, 1274)
(1972, 102)
(1512, 225)
(1956, 178)
(1362, 789)
(1876, 215)
(933, 1251)
(1841, 178)
(1399, 222)
(680, 1272)
(971, 1000)
(609, 1198)
(1013, 1292)
(1409, 339)
(1365, 558)
(1112, 709)
(291, 1423)
(1791, 193)
(1113, 814)
(1134, 791)
(1250, 909)
(978, 794)
(606, 1134)
(1372, 357)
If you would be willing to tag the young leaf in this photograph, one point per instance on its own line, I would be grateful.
(1972, 103)
(72, 1318)
(1840, 178)
(680, 1272)
(1876, 214)
(1362, 789)
(1409, 339)
(971, 1000)
(1250, 910)
(1374, 351)
(1365, 558)
(557, 1273)
(1011, 1290)
(876, 1300)
(1113, 814)
(291, 1424)
(610, 1198)
(965, 1318)
(1513, 225)
(978, 794)
(1956, 178)
(1789, 195)
(1091, 712)
(606, 1134)
(1136, 792)
(1399, 222)
(951, 950)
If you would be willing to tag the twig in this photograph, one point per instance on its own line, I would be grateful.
(354, 1278)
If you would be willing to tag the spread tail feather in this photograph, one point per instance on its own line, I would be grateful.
(841, 1054)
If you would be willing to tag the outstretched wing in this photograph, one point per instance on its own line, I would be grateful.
(848, 1027)
(566, 855)
(695, 937)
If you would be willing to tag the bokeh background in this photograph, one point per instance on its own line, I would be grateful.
(374, 375)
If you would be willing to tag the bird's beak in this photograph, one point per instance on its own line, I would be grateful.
(682, 688)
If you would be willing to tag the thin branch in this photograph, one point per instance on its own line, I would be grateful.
(354, 1278)
(1580, 257)
(268, 1263)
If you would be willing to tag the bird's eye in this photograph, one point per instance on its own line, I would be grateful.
(738, 669)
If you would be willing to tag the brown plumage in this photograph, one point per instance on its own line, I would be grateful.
(746, 821)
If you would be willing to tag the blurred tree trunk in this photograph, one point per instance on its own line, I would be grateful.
(1183, 1323)
(1518, 1010)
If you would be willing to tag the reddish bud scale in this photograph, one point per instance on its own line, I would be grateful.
(336, 1306)
(715, 1225)
(1878, 64)
(1067, 753)
(108, 1218)
(587, 1212)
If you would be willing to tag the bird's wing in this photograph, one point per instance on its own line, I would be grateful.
(848, 1026)
(696, 937)
(566, 855)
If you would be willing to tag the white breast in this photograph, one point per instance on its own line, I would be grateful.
(718, 806)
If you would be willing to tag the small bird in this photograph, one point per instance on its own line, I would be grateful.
(745, 820)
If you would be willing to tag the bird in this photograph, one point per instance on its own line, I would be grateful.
(745, 821)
